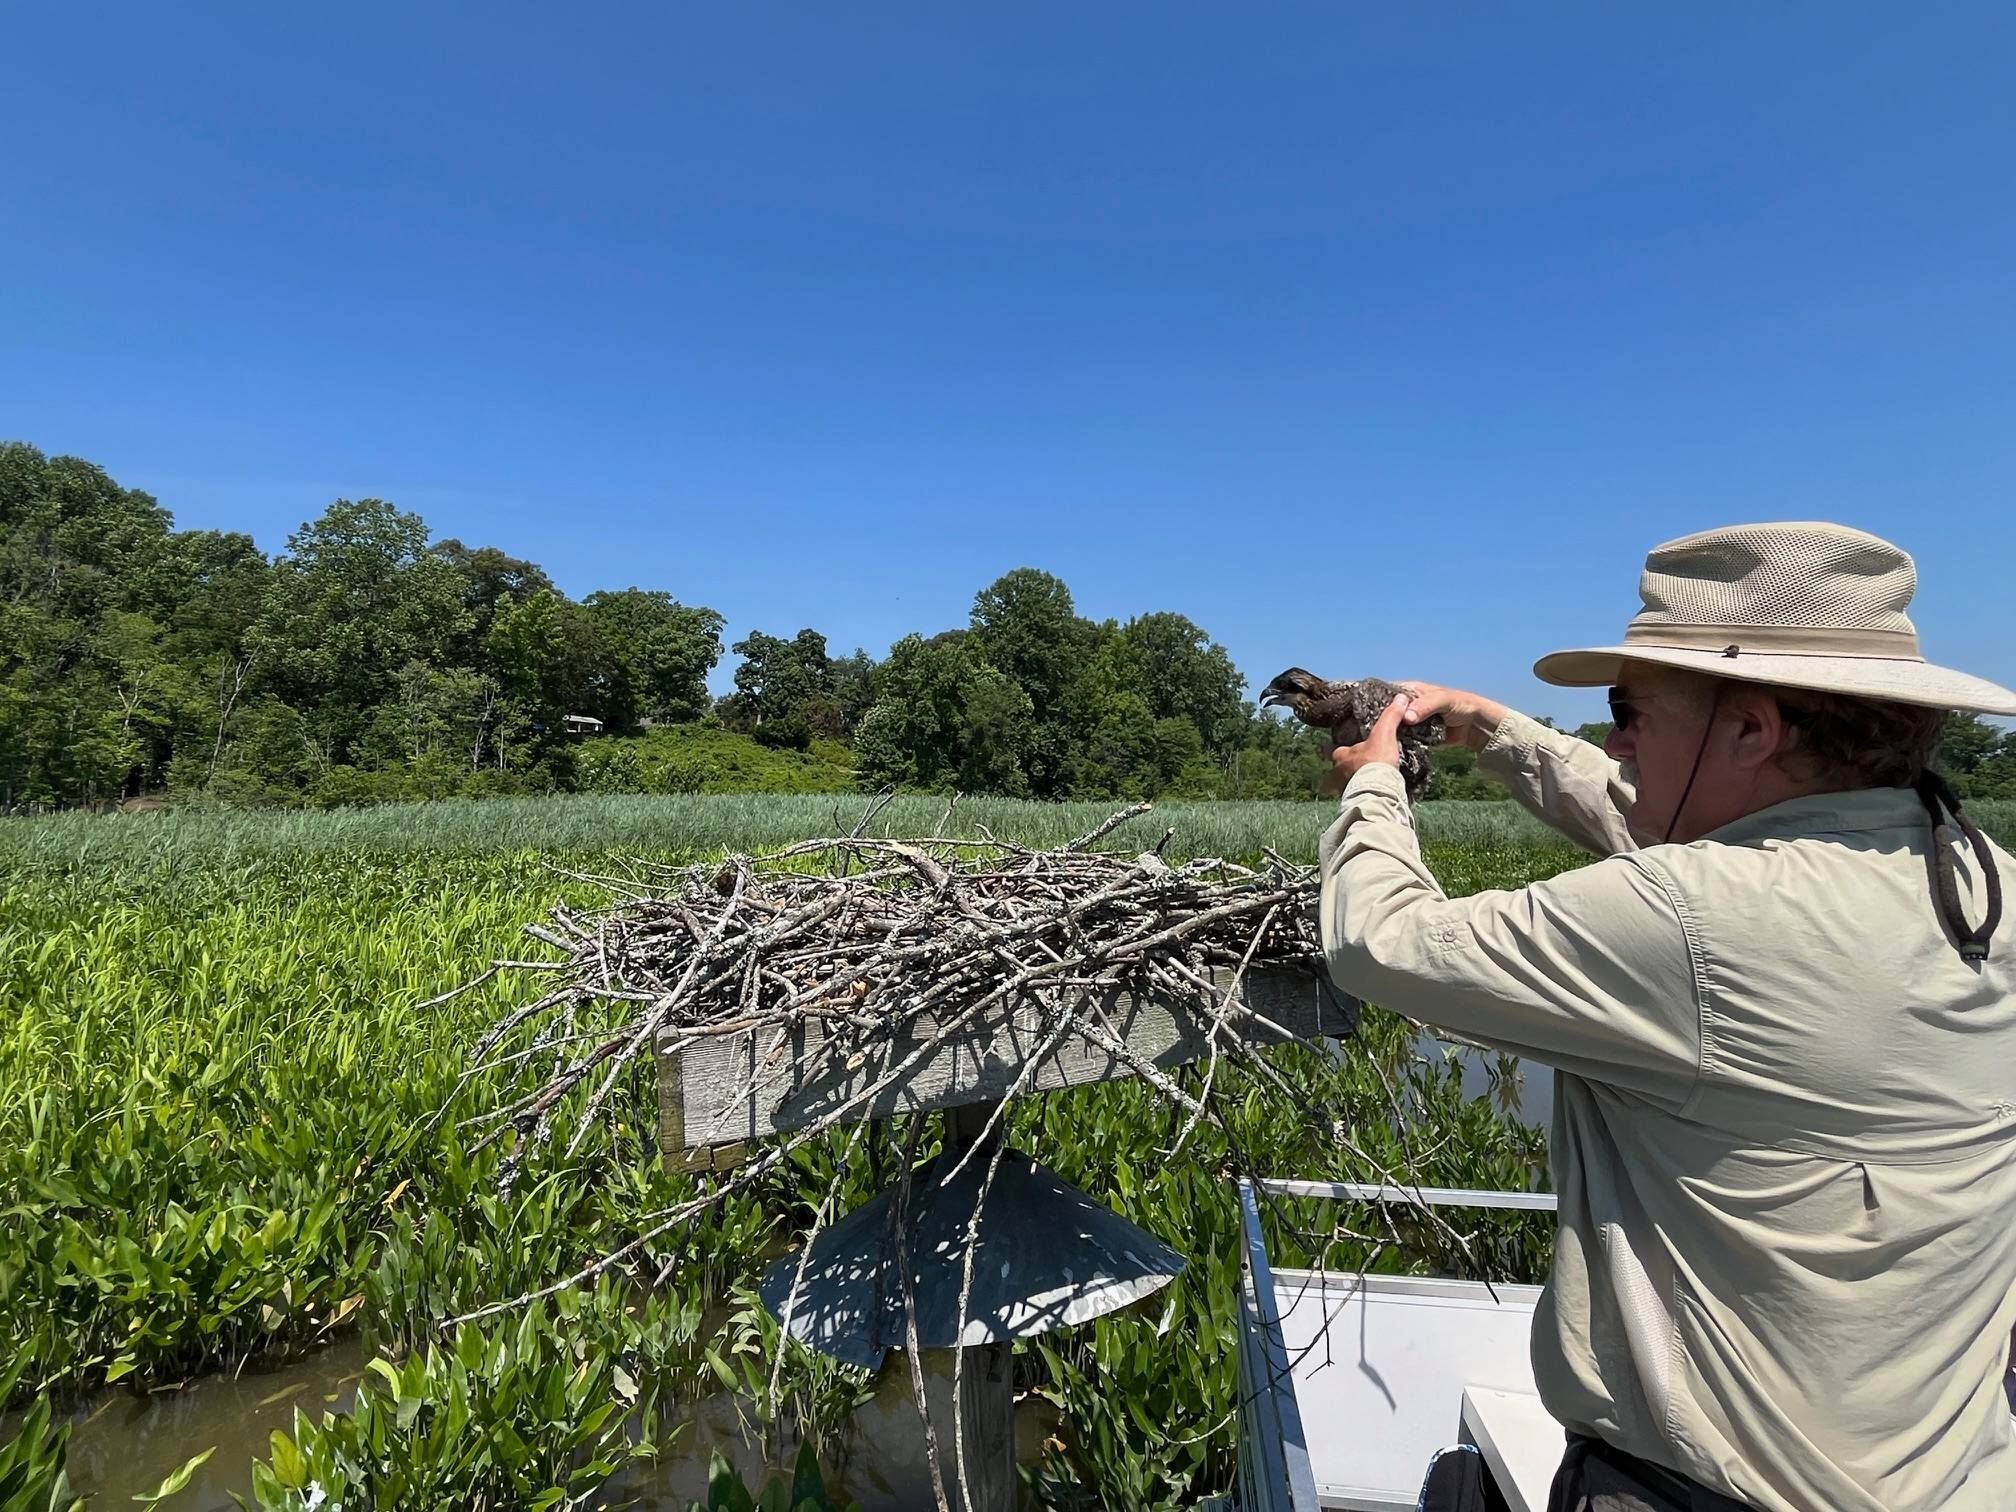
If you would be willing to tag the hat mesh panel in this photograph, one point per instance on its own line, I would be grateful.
(1797, 575)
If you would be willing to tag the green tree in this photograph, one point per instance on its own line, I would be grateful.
(357, 599)
(71, 540)
(1132, 754)
(853, 687)
(664, 650)
(1979, 758)
(1179, 672)
(783, 690)
(945, 721)
(491, 579)
(90, 693)
(1966, 741)
(1026, 625)
(552, 658)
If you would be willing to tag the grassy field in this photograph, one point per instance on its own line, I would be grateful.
(217, 1094)
(693, 824)
(698, 824)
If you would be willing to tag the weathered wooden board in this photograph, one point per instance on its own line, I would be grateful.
(729, 1091)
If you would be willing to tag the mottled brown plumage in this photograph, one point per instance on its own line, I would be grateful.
(1348, 710)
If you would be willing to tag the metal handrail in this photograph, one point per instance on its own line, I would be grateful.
(1276, 1476)
(1383, 1191)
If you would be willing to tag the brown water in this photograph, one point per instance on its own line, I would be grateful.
(123, 1445)
(880, 1462)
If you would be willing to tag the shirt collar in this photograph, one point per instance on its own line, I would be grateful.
(1855, 810)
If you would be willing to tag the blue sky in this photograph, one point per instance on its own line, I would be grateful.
(1376, 338)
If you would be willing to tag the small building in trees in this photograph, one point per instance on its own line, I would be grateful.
(580, 724)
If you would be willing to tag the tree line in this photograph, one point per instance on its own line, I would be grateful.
(368, 660)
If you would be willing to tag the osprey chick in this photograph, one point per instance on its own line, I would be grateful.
(1348, 710)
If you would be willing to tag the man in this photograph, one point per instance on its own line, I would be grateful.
(1784, 1131)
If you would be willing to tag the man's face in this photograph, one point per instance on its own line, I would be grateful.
(1667, 718)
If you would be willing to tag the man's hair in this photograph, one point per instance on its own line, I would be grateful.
(1858, 742)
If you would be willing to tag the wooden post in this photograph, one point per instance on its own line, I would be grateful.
(986, 1404)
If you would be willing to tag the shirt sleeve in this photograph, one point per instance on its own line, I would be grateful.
(1563, 780)
(1591, 971)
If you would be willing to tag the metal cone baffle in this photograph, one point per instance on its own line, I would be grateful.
(1047, 1256)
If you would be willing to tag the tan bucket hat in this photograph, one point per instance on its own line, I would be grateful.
(1800, 604)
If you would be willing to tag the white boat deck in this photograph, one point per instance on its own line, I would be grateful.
(1350, 1384)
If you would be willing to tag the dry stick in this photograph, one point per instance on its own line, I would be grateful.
(518, 1016)
(1217, 1022)
(664, 1007)
(946, 817)
(526, 1054)
(1101, 831)
(1022, 1079)
(482, 1048)
(748, 1089)
(819, 1218)
(671, 1219)
(455, 992)
(543, 1099)
(1379, 1167)
(909, 1286)
(1002, 918)
(887, 797)
(1113, 1045)
(959, 1327)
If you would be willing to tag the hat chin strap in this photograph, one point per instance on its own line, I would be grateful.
(1972, 943)
(1714, 707)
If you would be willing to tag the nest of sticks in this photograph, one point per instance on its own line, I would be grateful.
(870, 938)
(891, 946)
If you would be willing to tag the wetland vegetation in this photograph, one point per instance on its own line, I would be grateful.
(219, 1154)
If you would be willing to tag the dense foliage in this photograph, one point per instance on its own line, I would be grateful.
(369, 662)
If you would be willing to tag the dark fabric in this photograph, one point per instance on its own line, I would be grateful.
(1598, 1477)
(1458, 1482)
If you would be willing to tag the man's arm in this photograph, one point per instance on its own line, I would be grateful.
(1589, 971)
(1561, 779)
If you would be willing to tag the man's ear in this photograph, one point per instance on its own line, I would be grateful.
(1762, 731)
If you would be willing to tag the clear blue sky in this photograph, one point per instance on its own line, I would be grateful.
(1379, 338)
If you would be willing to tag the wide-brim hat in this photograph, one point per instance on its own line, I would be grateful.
(1799, 605)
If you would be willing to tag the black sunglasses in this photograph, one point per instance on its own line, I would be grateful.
(1622, 710)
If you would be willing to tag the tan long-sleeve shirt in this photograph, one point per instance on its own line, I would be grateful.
(1784, 1131)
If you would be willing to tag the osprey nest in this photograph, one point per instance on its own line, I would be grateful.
(891, 946)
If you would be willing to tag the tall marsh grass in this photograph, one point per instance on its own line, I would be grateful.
(695, 824)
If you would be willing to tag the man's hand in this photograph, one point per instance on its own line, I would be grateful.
(1471, 718)
(1382, 744)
